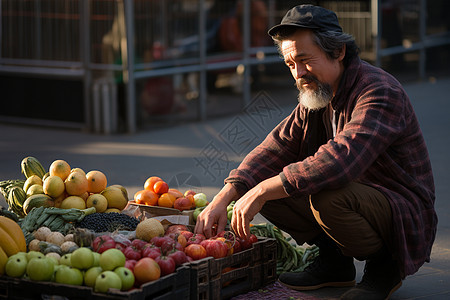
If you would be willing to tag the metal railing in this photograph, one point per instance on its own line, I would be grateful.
(103, 42)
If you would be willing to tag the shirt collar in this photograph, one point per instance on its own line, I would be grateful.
(347, 81)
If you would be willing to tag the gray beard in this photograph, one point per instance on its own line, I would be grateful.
(314, 99)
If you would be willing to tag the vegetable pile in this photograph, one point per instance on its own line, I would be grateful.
(290, 257)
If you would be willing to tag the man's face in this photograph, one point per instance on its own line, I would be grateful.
(316, 75)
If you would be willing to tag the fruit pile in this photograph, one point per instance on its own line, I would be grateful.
(157, 192)
(57, 230)
(61, 187)
(110, 261)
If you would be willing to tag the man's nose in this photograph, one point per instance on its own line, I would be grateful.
(300, 71)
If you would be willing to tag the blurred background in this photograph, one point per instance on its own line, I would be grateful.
(124, 66)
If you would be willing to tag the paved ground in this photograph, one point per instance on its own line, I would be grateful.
(199, 156)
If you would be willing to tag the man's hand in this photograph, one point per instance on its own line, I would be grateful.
(251, 203)
(215, 214)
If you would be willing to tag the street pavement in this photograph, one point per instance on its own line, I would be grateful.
(199, 155)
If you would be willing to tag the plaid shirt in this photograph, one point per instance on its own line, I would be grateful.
(378, 143)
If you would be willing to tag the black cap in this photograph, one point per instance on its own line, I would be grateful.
(309, 16)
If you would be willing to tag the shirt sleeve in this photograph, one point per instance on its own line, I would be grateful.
(268, 159)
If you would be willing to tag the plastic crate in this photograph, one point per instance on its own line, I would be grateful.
(172, 286)
(236, 274)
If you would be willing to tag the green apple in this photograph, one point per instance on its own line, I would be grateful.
(200, 200)
(23, 254)
(111, 259)
(16, 265)
(107, 280)
(82, 258)
(68, 275)
(33, 254)
(126, 276)
(90, 275)
(40, 268)
(65, 259)
(96, 259)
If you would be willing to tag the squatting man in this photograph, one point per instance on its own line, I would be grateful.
(348, 170)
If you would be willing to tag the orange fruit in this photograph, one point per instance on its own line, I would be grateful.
(76, 183)
(160, 187)
(175, 192)
(96, 181)
(60, 168)
(78, 170)
(146, 197)
(150, 182)
(166, 200)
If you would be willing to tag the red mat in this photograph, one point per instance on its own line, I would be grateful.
(275, 291)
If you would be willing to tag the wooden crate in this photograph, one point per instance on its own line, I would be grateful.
(236, 274)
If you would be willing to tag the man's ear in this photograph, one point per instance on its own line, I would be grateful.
(341, 53)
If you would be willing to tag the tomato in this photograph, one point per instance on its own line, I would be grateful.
(197, 238)
(187, 234)
(150, 250)
(130, 263)
(166, 264)
(195, 251)
(132, 253)
(178, 256)
(102, 243)
(159, 240)
(215, 248)
(120, 246)
(237, 246)
(245, 243)
(178, 238)
(176, 228)
(138, 243)
(253, 238)
(229, 244)
(171, 245)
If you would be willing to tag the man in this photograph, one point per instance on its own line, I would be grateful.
(348, 170)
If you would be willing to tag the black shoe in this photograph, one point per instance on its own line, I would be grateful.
(320, 274)
(381, 278)
(329, 269)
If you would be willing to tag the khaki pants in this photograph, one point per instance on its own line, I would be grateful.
(357, 217)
